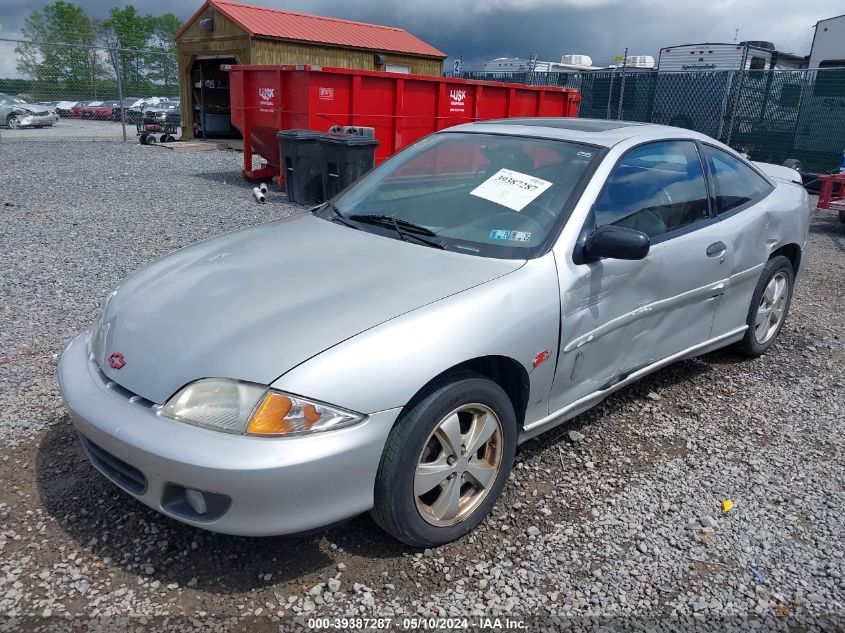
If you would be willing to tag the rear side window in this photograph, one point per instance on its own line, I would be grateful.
(655, 188)
(734, 182)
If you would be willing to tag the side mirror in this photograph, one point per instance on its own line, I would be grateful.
(616, 242)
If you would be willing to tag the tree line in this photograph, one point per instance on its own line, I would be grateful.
(68, 53)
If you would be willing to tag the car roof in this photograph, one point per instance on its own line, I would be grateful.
(601, 132)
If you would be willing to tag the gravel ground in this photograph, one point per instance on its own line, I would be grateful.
(617, 515)
(72, 130)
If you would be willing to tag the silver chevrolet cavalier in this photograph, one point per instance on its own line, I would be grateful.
(388, 351)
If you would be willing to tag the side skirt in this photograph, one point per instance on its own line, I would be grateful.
(587, 402)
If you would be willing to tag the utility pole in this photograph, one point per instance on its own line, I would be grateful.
(531, 63)
(622, 86)
(114, 54)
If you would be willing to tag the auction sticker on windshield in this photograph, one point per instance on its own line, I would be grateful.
(511, 189)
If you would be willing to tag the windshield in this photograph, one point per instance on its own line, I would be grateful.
(481, 194)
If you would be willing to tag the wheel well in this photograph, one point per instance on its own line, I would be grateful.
(792, 252)
(504, 371)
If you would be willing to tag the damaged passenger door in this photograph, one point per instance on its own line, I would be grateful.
(621, 316)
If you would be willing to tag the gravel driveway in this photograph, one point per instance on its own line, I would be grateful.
(618, 514)
(71, 130)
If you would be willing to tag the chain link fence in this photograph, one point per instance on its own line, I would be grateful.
(106, 92)
(60, 91)
(772, 115)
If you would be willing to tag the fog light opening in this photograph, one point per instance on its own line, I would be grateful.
(196, 500)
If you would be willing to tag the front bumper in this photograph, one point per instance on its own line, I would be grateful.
(34, 120)
(259, 486)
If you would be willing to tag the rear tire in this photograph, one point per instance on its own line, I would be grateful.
(769, 307)
(446, 461)
(842, 215)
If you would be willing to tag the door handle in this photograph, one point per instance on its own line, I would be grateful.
(716, 249)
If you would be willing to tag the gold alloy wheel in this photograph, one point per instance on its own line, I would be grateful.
(458, 464)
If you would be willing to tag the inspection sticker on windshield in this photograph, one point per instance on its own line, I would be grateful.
(511, 189)
(507, 234)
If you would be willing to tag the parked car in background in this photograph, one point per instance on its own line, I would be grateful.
(135, 113)
(100, 110)
(481, 287)
(63, 108)
(15, 113)
(164, 112)
(75, 111)
(127, 103)
(48, 105)
(87, 111)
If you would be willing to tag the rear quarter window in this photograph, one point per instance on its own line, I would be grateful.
(735, 184)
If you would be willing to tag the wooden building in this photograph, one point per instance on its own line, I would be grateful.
(224, 32)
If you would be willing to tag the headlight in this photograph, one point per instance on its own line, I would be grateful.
(242, 407)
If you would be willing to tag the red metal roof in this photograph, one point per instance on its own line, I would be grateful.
(267, 22)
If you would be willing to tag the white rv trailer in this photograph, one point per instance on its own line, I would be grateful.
(719, 56)
(817, 140)
(631, 62)
(568, 63)
(697, 84)
(828, 49)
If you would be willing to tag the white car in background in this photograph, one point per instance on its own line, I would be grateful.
(15, 113)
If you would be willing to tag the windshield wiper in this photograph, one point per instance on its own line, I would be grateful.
(403, 228)
(389, 220)
(338, 217)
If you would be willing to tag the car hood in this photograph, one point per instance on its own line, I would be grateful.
(28, 107)
(255, 303)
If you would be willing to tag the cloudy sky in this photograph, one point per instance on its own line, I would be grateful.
(484, 29)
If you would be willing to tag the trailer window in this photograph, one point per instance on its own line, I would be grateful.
(830, 82)
(758, 63)
(790, 96)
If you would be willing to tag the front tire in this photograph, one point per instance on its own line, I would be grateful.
(769, 306)
(446, 461)
(13, 122)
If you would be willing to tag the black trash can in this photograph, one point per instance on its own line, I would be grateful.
(345, 159)
(301, 165)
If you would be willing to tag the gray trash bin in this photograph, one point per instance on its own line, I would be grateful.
(301, 165)
(345, 159)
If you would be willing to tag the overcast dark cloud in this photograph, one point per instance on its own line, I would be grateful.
(505, 28)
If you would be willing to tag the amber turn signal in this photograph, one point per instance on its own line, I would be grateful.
(279, 414)
(270, 418)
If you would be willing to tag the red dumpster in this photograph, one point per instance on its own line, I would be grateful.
(401, 108)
